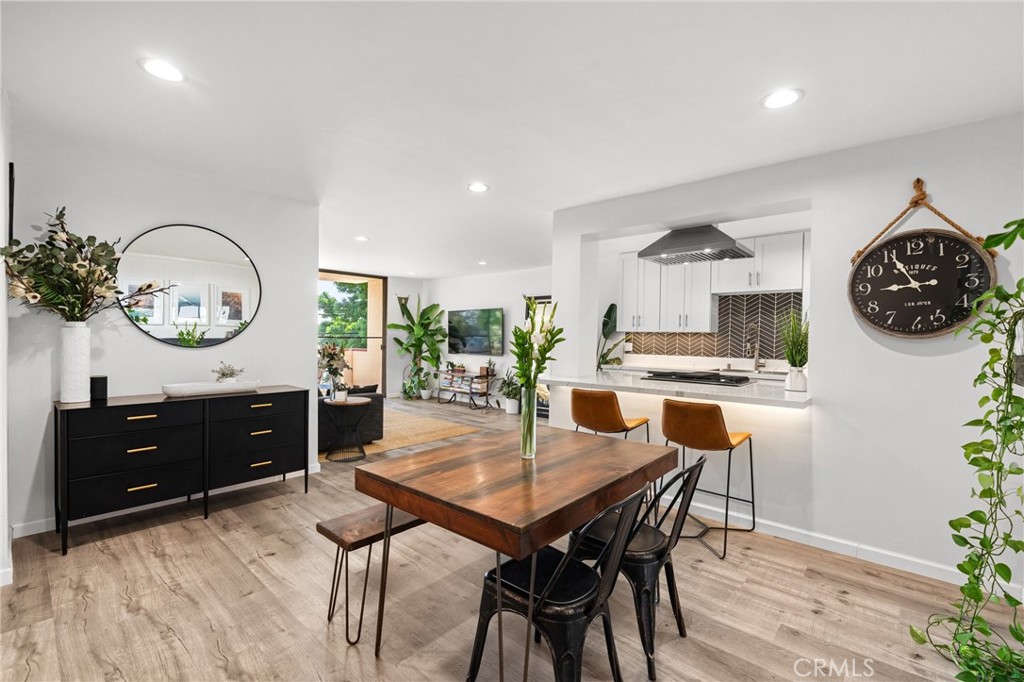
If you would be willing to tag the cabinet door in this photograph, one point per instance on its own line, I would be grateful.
(673, 297)
(734, 276)
(780, 262)
(648, 307)
(628, 292)
(701, 312)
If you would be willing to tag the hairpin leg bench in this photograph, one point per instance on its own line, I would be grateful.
(352, 531)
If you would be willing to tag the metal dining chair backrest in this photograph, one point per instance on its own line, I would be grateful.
(685, 484)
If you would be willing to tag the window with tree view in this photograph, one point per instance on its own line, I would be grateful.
(343, 313)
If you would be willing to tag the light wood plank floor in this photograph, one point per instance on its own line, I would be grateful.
(243, 595)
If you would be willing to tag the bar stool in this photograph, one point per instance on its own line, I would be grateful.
(599, 411)
(701, 426)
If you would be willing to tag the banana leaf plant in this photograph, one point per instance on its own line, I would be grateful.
(424, 334)
(604, 356)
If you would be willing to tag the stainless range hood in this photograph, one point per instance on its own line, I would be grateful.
(694, 245)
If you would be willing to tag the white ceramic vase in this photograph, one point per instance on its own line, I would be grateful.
(796, 380)
(425, 393)
(511, 406)
(75, 348)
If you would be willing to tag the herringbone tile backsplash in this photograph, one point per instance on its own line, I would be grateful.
(735, 314)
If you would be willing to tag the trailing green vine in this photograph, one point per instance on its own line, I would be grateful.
(983, 651)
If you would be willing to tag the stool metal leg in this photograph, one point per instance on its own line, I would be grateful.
(705, 528)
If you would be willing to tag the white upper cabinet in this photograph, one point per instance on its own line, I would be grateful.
(777, 265)
(687, 304)
(639, 294)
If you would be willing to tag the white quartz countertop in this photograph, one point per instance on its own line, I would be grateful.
(757, 392)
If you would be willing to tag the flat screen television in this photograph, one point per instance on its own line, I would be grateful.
(477, 332)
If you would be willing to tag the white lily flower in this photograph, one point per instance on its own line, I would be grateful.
(32, 297)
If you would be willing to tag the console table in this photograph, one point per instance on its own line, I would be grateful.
(473, 385)
(135, 450)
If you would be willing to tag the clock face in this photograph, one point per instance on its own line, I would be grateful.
(920, 283)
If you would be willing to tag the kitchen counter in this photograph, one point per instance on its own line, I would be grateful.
(757, 392)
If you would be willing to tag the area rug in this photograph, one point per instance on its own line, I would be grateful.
(402, 430)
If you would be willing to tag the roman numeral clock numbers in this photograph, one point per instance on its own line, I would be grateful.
(920, 283)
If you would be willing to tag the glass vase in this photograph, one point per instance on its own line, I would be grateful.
(528, 424)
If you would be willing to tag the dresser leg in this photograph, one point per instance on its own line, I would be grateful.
(64, 537)
(206, 504)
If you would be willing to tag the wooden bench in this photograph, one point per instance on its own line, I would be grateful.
(352, 531)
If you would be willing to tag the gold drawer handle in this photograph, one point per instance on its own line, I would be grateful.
(142, 487)
(253, 407)
(261, 433)
(142, 416)
(148, 448)
(261, 464)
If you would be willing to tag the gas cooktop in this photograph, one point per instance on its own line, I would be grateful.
(698, 378)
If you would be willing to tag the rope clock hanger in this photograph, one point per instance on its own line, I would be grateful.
(920, 283)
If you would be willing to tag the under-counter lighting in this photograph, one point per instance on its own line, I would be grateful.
(161, 69)
(477, 187)
(782, 98)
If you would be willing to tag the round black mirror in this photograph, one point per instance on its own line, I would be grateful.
(214, 289)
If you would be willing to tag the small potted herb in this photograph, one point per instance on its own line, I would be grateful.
(795, 333)
(227, 374)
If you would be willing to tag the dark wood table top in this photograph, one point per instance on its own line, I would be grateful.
(482, 489)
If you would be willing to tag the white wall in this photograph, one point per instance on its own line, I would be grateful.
(396, 364)
(884, 471)
(498, 290)
(115, 197)
(6, 573)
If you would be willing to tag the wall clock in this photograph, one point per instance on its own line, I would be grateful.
(920, 283)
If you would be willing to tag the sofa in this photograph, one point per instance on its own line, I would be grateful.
(371, 428)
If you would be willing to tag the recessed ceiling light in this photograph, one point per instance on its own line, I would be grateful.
(707, 250)
(477, 187)
(664, 255)
(161, 69)
(481, 262)
(412, 273)
(782, 98)
(361, 238)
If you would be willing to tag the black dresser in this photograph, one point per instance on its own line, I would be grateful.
(136, 450)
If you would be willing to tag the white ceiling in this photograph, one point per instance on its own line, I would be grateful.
(383, 112)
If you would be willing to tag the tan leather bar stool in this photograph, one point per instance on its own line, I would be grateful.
(701, 426)
(599, 411)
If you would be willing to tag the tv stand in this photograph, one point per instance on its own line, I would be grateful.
(472, 385)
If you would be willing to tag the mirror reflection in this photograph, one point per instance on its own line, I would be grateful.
(214, 287)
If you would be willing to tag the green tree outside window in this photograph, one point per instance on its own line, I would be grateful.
(342, 308)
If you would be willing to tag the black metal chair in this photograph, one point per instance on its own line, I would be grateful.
(649, 551)
(568, 594)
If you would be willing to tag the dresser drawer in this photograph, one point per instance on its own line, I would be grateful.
(135, 450)
(257, 464)
(103, 420)
(101, 494)
(248, 435)
(254, 405)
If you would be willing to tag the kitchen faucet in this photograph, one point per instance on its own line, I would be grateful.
(753, 345)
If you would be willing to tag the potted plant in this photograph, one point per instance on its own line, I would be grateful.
(795, 333)
(990, 651)
(227, 374)
(190, 337)
(424, 334)
(331, 365)
(510, 390)
(460, 368)
(604, 355)
(74, 279)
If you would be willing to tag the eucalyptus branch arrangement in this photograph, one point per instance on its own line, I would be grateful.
(533, 343)
(68, 276)
(990, 651)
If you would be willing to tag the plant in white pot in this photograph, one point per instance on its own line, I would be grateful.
(331, 364)
(424, 334)
(795, 333)
(510, 390)
(74, 279)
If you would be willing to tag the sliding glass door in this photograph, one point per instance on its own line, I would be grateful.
(351, 314)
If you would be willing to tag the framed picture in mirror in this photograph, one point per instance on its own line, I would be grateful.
(232, 306)
(149, 312)
(190, 303)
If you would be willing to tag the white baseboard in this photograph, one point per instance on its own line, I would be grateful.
(876, 555)
(49, 523)
(6, 576)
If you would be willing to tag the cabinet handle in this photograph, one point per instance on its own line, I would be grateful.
(759, 279)
(148, 448)
(261, 433)
(142, 487)
(141, 416)
(261, 464)
(253, 407)
(687, 320)
(638, 322)
(633, 323)
(680, 319)
(750, 279)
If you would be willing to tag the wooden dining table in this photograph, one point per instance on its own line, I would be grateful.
(483, 490)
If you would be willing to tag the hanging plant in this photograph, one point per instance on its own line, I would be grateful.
(990, 651)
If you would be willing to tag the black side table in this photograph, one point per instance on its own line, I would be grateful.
(347, 415)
